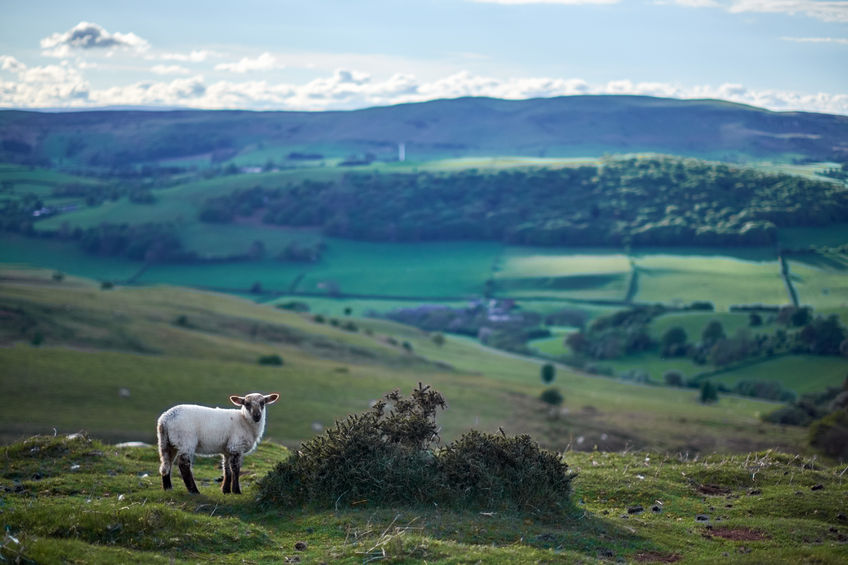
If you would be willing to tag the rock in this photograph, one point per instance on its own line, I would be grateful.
(702, 518)
(841, 516)
(656, 508)
(300, 546)
(635, 509)
(754, 492)
(817, 487)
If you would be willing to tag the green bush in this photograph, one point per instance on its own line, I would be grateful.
(387, 455)
(830, 434)
(272, 359)
(552, 396)
(709, 393)
(548, 373)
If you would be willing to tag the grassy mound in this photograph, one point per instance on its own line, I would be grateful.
(387, 455)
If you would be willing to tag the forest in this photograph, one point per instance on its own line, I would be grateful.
(644, 202)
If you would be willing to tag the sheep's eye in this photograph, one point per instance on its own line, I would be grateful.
(262, 404)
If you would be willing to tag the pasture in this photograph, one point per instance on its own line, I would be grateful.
(168, 345)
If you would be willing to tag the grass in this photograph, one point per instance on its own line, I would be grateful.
(798, 373)
(822, 286)
(72, 499)
(722, 280)
(102, 341)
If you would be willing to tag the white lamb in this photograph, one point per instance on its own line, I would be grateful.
(188, 429)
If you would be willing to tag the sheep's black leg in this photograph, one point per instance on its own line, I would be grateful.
(167, 460)
(185, 471)
(235, 464)
(226, 487)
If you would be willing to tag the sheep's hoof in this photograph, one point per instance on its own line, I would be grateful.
(166, 482)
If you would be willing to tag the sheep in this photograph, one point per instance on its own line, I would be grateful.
(188, 429)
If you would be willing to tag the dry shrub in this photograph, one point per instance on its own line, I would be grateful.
(388, 455)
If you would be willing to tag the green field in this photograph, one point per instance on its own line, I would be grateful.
(105, 340)
(824, 285)
(798, 373)
(720, 279)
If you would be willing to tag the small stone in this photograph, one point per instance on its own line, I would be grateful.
(656, 508)
(817, 487)
(300, 546)
(841, 516)
(702, 518)
(635, 509)
(755, 492)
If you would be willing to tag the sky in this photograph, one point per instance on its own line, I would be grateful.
(346, 54)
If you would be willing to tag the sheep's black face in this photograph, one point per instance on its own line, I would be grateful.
(254, 407)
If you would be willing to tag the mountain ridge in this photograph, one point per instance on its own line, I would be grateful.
(471, 126)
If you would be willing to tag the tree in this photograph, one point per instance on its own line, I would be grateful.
(552, 396)
(673, 378)
(548, 373)
(438, 338)
(709, 393)
(673, 342)
(713, 332)
(754, 319)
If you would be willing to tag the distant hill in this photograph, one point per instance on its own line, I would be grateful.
(564, 126)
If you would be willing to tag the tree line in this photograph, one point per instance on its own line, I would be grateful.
(656, 201)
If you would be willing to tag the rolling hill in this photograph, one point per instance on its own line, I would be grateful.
(564, 126)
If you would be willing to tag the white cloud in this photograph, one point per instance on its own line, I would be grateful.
(195, 56)
(9, 63)
(825, 10)
(829, 11)
(86, 36)
(169, 70)
(264, 62)
(62, 85)
(838, 40)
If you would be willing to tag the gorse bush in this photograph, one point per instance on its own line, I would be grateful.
(388, 455)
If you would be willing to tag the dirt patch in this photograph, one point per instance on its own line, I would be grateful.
(739, 534)
(713, 490)
(656, 557)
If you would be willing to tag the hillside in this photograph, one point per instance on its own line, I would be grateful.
(137, 351)
(74, 499)
(554, 127)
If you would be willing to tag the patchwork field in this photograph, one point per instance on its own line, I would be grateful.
(167, 345)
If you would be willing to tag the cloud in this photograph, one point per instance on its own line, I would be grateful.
(838, 40)
(63, 86)
(829, 11)
(9, 63)
(169, 70)
(825, 10)
(195, 56)
(87, 36)
(264, 62)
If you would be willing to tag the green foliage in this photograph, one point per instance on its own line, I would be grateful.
(387, 456)
(713, 332)
(709, 393)
(830, 434)
(673, 342)
(272, 359)
(548, 373)
(674, 378)
(552, 396)
(37, 339)
(565, 206)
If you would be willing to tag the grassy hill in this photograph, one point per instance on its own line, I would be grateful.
(68, 498)
(166, 345)
(564, 127)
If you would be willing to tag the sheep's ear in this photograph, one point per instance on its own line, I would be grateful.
(272, 398)
(237, 400)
